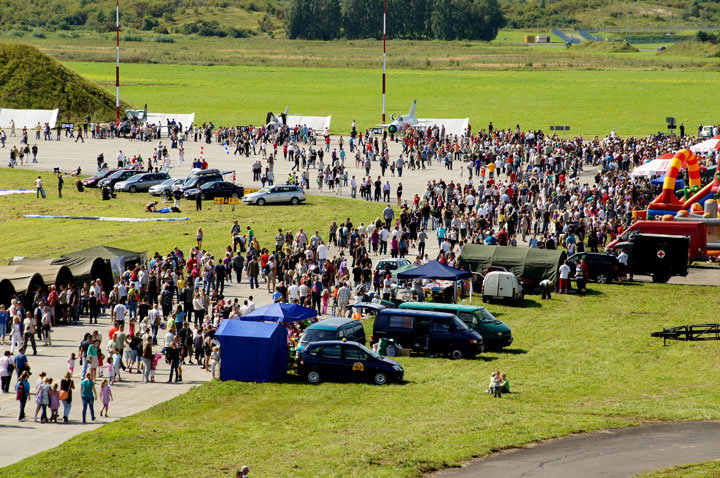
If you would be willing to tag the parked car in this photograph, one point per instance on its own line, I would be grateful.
(427, 332)
(92, 181)
(391, 265)
(197, 181)
(117, 176)
(141, 182)
(280, 193)
(215, 189)
(706, 132)
(334, 328)
(602, 268)
(346, 361)
(165, 188)
(502, 285)
(495, 334)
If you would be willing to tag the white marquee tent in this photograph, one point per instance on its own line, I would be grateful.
(27, 118)
(184, 119)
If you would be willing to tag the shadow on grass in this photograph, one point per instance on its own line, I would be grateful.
(509, 351)
(294, 379)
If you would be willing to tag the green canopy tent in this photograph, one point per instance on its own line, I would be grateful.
(119, 259)
(24, 284)
(52, 274)
(83, 269)
(529, 263)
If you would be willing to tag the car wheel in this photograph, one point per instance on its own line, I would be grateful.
(260, 202)
(485, 299)
(133, 189)
(601, 279)
(660, 277)
(456, 354)
(294, 201)
(202, 196)
(380, 378)
(313, 376)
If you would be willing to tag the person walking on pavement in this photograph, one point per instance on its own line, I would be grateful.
(29, 325)
(88, 395)
(22, 387)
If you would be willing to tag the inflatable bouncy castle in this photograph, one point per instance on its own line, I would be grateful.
(695, 195)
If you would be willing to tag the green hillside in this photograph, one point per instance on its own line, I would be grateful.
(240, 18)
(31, 79)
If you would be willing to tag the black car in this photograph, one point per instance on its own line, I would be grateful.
(334, 359)
(117, 176)
(216, 189)
(602, 268)
(196, 182)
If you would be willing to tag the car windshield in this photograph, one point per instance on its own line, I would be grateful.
(265, 190)
(390, 265)
(316, 335)
(368, 351)
(485, 317)
(168, 182)
(459, 324)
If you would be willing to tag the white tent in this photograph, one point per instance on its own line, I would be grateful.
(316, 123)
(184, 119)
(708, 146)
(27, 118)
(455, 127)
(656, 167)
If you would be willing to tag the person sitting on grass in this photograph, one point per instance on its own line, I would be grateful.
(151, 207)
(504, 384)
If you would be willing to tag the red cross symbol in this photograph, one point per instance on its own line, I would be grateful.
(661, 254)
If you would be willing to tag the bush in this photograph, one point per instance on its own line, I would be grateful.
(703, 36)
(163, 39)
(38, 34)
(16, 33)
(131, 37)
(68, 35)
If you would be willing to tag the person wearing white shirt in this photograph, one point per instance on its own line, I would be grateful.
(322, 254)
(251, 304)
(564, 278)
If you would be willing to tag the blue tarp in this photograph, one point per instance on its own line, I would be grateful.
(679, 183)
(435, 270)
(280, 312)
(252, 351)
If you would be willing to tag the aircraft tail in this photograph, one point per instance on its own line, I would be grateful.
(412, 109)
(287, 110)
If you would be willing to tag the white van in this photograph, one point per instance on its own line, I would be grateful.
(501, 285)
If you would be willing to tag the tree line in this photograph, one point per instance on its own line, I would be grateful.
(407, 19)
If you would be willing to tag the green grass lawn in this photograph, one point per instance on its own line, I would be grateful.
(708, 469)
(51, 237)
(591, 102)
(577, 364)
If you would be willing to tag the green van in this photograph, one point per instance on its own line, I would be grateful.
(495, 334)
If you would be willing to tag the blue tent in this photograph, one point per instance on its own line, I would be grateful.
(252, 351)
(281, 312)
(435, 270)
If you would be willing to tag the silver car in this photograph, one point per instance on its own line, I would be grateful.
(166, 187)
(280, 193)
(141, 182)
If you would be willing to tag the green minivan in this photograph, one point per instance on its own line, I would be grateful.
(495, 334)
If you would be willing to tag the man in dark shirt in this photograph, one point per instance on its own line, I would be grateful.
(220, 278)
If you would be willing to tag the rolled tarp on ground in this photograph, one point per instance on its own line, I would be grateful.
(530, 263)
(24, 283)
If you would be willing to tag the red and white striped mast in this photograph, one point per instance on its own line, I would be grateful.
(117, 62)
(384, 58)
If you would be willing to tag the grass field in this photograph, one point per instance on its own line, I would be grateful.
(708, 469)
(50, 238)
(577, 364)
(592, 102)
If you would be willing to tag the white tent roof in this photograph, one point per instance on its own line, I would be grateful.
(656, 167)
(27, 118)
(707, 146)
(452, 126)
(162, 118)
(317, 123)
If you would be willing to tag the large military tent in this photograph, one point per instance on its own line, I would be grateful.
(530, 263)
(24, 284)
(51, 274)
(83, 269)
(119, 259)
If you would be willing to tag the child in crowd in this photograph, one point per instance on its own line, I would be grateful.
(71, 363)
(214, 359)
(153, 367)
(116, 362)
(101, 361)
(103, 302)
(105, 397)
(492, 383)
(54, 403)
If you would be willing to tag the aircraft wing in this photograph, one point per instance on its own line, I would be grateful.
(452, 126)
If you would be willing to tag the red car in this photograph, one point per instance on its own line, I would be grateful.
(92, 182)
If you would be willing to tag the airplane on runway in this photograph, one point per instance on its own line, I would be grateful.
(401, 123)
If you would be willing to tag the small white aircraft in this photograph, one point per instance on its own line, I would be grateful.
(401, 123)
(317, 123)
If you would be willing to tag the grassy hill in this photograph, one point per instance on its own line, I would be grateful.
(33, 80)
(242, 18)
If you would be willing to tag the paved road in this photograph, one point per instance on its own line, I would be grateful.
(610, 453)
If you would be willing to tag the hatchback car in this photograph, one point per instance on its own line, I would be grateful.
(216, 189)
(117, 176)
(280, 193)
(92, 181)
(338, 360)
(197, 181)
(165, 188)
(141, 182)
(602, 268)
(334, 328)
(391, 265)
